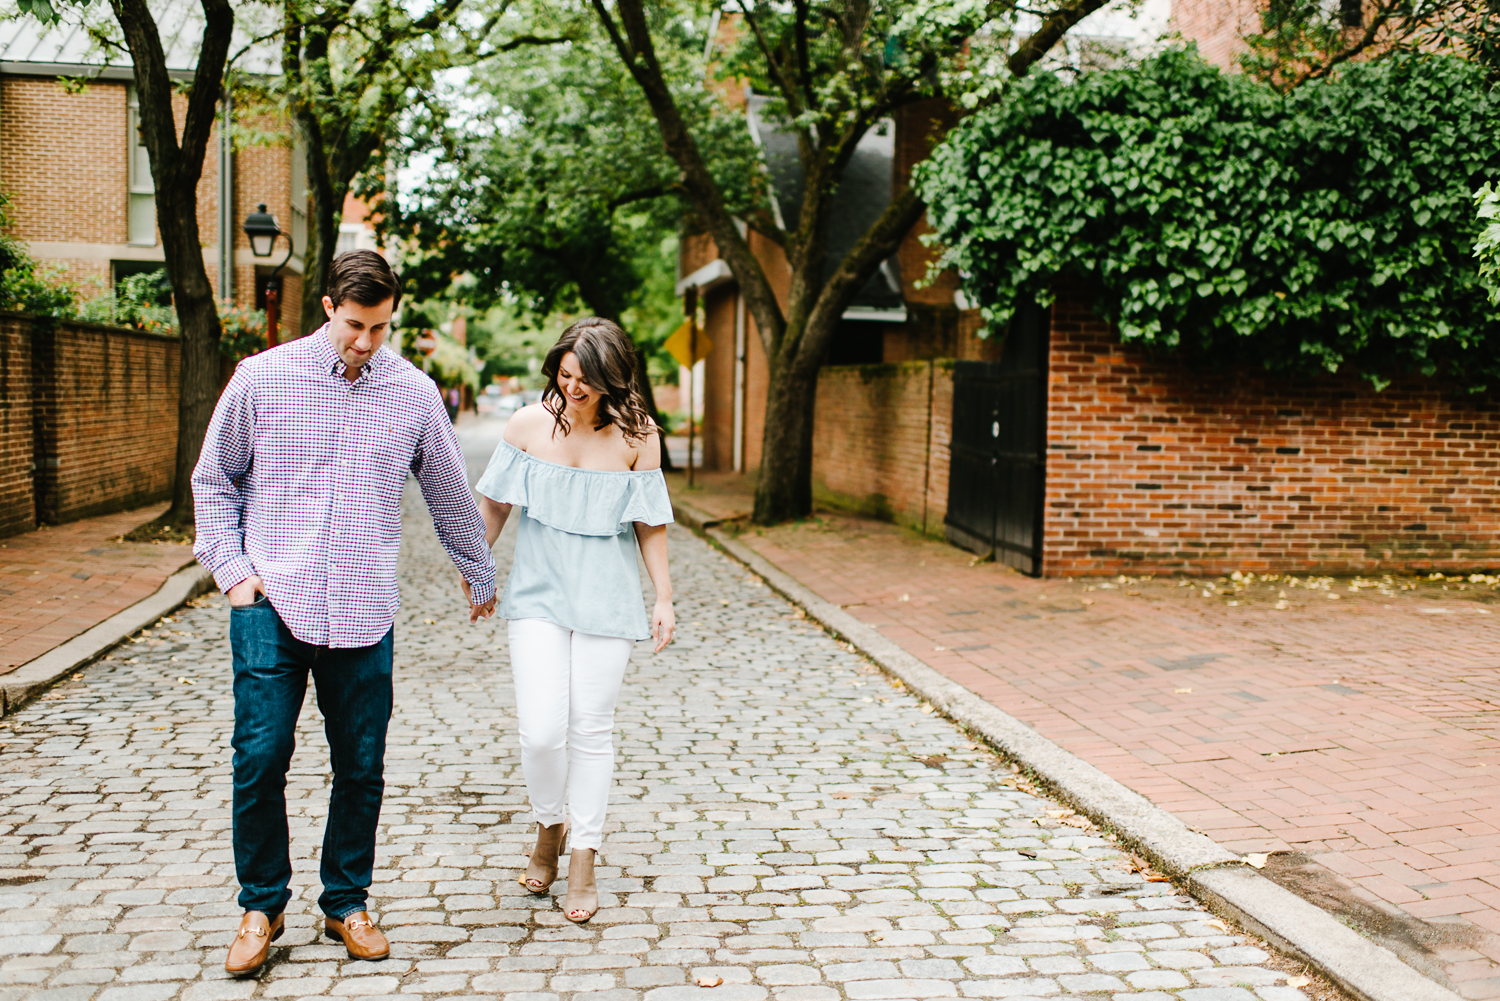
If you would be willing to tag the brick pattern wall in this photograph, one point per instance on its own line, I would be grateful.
(17, 501)
(1217, 26)
(63, 159)
(1152, 467)
(881, 445)
(105, 418)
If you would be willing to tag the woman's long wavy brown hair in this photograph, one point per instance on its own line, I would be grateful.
(607, 360)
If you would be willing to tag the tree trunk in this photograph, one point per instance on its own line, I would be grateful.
(784, 491)
(176, 169)
(649, 395)
(326, 213)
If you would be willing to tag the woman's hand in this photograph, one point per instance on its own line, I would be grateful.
(663, 623)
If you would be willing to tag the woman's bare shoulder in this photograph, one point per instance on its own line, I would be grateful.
(527, 424)
(648, 451)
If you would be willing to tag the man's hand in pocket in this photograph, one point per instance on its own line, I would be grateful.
(245, 592)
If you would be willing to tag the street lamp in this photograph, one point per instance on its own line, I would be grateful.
(260, 226)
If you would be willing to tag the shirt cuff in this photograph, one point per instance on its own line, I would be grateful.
(233, 572)
(482, 592)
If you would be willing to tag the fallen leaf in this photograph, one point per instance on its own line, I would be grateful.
(708, 980)
(1054, 814)
(938, 649)
(932, 760)
(904, 597)
(1182, 691)
(1158, 879)
(1257, 859)
(1216, 923)
(1298, 981)
(1027, 852)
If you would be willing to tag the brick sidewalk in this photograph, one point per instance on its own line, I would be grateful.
(61, 580)
(1356, 733)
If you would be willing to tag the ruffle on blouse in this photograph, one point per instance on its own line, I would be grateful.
(576, 501)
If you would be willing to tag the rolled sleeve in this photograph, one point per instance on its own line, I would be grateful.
(218, 485)
(440, 471)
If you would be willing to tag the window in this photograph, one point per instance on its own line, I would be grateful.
(141, 191)
(348, 239)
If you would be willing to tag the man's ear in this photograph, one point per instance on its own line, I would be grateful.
(328, 306)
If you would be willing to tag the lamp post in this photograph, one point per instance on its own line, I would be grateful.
(260, 226)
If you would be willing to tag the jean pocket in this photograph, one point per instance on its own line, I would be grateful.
(261, 602)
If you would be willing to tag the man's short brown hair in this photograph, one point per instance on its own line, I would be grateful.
(363, 277)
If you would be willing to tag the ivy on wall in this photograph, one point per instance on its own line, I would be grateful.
(1329, 228)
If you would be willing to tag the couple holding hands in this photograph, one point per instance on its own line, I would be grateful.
(298, 497)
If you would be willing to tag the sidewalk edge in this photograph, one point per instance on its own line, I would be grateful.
(1211, 873)
(37, 675)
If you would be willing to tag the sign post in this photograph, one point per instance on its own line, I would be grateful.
(689, 347)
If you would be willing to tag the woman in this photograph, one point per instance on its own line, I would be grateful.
(584, 467)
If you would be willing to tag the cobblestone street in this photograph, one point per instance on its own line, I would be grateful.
(785, 824)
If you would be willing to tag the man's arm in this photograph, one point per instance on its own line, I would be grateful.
(439, 469)
(218, 499)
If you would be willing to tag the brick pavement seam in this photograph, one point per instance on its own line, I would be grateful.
(1210, 872)
(35, 676)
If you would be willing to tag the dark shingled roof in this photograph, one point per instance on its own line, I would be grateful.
(863, 195)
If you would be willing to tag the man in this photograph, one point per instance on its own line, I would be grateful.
(298, 495)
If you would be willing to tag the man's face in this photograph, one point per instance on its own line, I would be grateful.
(356, 331)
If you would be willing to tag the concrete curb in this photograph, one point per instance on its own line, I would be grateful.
(1210, 872)
(35, 676)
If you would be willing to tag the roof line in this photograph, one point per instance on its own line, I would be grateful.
(91, 71)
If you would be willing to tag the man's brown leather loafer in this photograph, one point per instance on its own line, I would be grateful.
(252, 943)
(359, 935)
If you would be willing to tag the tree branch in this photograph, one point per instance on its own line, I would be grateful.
(1053, 28)
(639, 55)
(1381, 18)
(879, 242)
(778, 73)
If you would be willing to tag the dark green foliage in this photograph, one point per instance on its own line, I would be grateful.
(1328, 228)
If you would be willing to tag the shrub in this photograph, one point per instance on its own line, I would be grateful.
(244, 331)
(1328, 228)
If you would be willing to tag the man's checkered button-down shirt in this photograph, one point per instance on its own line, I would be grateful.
(300, 481)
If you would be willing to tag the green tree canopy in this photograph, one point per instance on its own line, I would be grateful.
(1328, 228)
(551, 190)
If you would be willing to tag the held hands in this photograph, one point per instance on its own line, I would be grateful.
(244, 592)
(477, 612)
(663, 624)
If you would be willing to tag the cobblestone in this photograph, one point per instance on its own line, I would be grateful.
(784, 822)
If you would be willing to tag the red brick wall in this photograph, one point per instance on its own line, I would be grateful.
(63, 159)
(1217, 26)
(1152, 467)
(17, 502)
(881, 445)
(106, 419)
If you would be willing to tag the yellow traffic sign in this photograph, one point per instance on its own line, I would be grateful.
(688, 345)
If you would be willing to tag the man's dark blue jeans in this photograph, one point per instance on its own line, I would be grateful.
(354, 694)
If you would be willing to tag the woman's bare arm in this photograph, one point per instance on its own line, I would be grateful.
(494, 516)
(653, 540)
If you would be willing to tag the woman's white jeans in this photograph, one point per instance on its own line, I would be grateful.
(566, 686)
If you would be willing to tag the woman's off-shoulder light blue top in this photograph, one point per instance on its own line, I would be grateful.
(576, 550)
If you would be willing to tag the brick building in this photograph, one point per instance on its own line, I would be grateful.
(1066, 453)
(79, 179)
(88, 414)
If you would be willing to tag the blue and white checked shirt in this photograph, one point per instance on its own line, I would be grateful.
(300, 481)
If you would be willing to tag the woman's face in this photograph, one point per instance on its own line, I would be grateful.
(578, 396)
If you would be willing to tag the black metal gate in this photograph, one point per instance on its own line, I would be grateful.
(999, 448)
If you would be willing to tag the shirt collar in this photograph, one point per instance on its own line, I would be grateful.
(327, 359)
